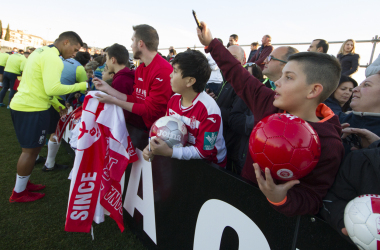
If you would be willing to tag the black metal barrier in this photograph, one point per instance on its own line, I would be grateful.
(194, 205)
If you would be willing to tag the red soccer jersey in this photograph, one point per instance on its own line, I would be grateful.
(204, 124)
(152, 90)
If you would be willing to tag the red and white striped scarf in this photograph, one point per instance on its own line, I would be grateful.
(67, 120)
(104, 151)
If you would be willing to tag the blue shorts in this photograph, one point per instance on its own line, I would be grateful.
(31, 127)
(2, 70)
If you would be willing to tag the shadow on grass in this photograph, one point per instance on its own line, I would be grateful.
(40, 224)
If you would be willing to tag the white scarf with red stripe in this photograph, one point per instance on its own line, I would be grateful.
(66, 120)
(104, 151)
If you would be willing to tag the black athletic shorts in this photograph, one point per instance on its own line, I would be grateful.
(31, 127)
(54, 118)
(1, 70)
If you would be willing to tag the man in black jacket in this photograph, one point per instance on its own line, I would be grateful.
(226, 99)
(240, 124)
(359, 174)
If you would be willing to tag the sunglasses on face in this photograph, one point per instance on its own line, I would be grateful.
(269, 58)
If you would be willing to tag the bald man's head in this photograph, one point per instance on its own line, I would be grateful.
(237, 52)
(273, 68)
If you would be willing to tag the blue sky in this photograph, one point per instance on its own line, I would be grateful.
(102, 23)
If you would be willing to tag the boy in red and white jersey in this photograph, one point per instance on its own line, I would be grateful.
(196, 109)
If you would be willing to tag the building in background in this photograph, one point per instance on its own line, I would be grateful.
(21, 40)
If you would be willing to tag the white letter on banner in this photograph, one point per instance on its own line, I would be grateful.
(215, 216)
(132, 200)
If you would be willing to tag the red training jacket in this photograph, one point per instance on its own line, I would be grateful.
(152, 90)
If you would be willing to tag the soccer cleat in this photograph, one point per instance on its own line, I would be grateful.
(2, 105)
(25, 196)
(34, 187)
(56, 167)
(40, 160)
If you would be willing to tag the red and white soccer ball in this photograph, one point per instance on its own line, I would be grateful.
(285, 144)
(362, 221)
(171, 130)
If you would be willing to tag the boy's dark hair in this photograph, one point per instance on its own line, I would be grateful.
(319, 68)
(220, 40)
(343, 79)
(120, 53)
(73, 37)
(26, 53)
(148, 35)
(104, 59)
(99, 59)
(21, 51)
(83, 57)
(255, 44)
(257, 72)
(322, 43)
(193, 63)
(234, 36)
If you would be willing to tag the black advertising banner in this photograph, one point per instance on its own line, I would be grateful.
(174, 204)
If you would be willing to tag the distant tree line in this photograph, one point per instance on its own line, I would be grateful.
(7, 34)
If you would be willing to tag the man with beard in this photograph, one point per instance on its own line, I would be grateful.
(152, 89)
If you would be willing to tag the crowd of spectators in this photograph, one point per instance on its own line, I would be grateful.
(221, 97)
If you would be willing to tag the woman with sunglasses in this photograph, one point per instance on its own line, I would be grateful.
(348, 59)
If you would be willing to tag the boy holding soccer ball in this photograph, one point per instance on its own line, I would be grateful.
(307, 80)
(196, 109)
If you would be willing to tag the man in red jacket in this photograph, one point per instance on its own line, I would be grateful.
(263, 52)
(307, 80)
(152, 89)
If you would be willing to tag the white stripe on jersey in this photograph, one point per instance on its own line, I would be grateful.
(184, 119)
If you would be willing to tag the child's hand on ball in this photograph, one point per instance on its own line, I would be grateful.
(159, 147)
(274, 193)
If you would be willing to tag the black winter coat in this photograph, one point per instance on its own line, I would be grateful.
(241, 122)
(359, 174)
(349, 63)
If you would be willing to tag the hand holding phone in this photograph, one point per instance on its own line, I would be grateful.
(197, 21)
(204, 34)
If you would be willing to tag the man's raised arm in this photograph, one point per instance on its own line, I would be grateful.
(256, 95)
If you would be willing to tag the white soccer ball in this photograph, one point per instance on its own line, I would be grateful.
(171, 130)
(362, 221)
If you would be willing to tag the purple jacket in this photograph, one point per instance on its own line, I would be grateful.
(259, 59)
